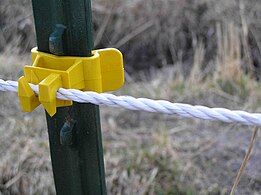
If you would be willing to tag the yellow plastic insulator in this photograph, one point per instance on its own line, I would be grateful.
(100, 73)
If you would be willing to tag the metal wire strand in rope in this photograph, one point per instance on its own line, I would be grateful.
(157, 106)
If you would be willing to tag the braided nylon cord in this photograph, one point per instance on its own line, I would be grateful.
(157, 106)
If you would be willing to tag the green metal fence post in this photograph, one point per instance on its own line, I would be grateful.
(64, 27)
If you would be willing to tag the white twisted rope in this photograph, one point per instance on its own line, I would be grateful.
(160, 106)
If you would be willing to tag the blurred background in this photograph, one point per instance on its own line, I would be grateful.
(204, 52)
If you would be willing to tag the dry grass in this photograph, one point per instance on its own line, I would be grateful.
(144, 153)
(156, 33)
(153, 153)
(245, 161)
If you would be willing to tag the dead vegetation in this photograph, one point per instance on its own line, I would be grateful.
(157, 33)
(213, 47)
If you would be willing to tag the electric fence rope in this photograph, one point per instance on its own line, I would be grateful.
(144, 104)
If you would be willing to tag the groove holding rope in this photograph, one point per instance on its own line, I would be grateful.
(156, 106)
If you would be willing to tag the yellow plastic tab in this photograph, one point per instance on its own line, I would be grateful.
(28, 100)
(101, 72)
